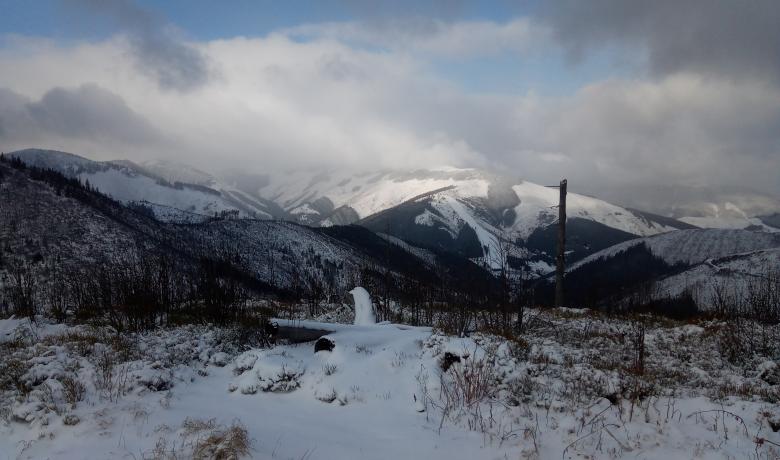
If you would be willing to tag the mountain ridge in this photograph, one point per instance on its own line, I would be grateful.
(471, 212)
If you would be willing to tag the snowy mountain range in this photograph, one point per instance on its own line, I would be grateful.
(410, 220)
(69, 229)
(706, 207)
(470, 212)
(159, 184)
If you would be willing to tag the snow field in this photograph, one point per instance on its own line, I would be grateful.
(560, 390)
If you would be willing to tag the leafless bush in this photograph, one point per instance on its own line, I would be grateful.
(24, 287)
(637, 328)
(72, 390)
(48, 397)
(521, 390)
(12, 376)
(363, 349)
(285, 381)
(751, 310)
(468, 392)
(111, 377)
(470, 383)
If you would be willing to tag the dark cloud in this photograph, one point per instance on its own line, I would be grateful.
(156, 47)
(727, 38)
(88, 113)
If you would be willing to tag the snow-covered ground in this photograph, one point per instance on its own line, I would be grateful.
(386, 391)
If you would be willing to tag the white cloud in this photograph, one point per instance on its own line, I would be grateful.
(431, 36)
(278, 103)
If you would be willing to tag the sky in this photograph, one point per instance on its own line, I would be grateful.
(614, 95)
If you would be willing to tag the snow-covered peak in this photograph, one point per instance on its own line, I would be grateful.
(368, 192)
(66, 163)
(538, 206)
(179, 172)
(128, 182)
(727, 215)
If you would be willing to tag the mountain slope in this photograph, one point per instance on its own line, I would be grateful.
(725, 281)
(690, 262)
(487, 217)
(690, 247)
(469, 212)
(128, 182)
(43, 222)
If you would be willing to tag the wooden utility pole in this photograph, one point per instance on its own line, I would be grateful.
(560, 259)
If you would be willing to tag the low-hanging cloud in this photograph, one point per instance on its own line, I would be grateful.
(155, 45)
(87, 114)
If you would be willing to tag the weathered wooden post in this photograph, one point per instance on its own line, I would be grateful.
(560, 259)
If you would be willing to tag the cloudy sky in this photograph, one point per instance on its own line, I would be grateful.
(604, 92)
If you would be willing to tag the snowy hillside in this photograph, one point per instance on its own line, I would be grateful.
(730, 215)
(537, 204)
(684, 263)
(179, 172)
(430, 207)
(736, 222)
(370, 193)
(127, 182)
(41, 222)
(732, 278)
(466, 211)
(692, 246)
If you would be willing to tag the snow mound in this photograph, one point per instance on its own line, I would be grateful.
(364, 309)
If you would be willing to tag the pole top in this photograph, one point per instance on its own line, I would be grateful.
(562, 184)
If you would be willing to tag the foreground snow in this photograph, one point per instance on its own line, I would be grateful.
(382, 393)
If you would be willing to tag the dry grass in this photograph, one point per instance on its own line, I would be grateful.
(228, 444)
(205, 439)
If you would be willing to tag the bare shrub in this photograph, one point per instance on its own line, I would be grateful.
(72, 390)
(637, 328)
(111, 378)
(48, 397)
(213, 441)
(328, 397)
(12, 376)
(285, 381)
(364, 349)
(193, 426)
(468, 392)
(470, 383)
(520, 390)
